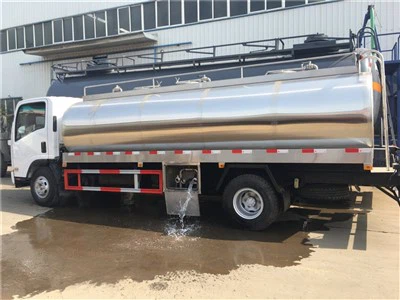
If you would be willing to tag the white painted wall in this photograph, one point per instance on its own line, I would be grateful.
(334, 19)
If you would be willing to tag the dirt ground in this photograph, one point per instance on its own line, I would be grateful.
(107, 251)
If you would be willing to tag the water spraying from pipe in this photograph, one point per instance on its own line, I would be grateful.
(183, 230)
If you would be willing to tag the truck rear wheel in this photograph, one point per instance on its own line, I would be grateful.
(251, 201)
(44, 188)
(3, 167)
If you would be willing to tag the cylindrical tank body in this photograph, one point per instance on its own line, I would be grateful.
(319, 111)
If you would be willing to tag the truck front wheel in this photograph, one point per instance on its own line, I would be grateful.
(251, 201)
(44, 187)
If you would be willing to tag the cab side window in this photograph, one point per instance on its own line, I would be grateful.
(31, 117)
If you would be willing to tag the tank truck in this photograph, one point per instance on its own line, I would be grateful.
(254, 141)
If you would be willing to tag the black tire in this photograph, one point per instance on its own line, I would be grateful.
(325, 192)
(3, 167)
(265, 215)
(44, 180)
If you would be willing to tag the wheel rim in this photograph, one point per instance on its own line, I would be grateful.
(42, 187)
(248, 203)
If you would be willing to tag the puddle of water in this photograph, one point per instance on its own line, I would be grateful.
(175, 227)
(102, 244)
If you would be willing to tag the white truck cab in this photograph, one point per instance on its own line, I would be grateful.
(35, 137)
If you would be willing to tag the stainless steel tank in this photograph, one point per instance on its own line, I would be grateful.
(328, 108)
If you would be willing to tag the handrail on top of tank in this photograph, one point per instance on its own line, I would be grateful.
(365, 32)
(160, 55)
(394, 51)
(241, 68)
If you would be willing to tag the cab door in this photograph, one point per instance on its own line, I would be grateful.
(29, 136)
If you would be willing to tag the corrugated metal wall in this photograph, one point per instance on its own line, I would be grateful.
(334, 19)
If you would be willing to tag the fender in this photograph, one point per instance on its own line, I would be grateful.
(52, 164)
(263, 168)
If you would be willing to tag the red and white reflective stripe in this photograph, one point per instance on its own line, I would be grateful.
(109, 189)
(312, 151)
(208, 151)
(240, 151)
(107, 171)
(113, 153)
(157, 152)
(182, 152)
(131, 152)
(74, 154)
(93, 153)
(211, 151)
(277, 151)
(358, 150)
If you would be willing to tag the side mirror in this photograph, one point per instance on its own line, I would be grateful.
(21, 130)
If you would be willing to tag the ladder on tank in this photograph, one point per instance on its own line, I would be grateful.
(387, 128)
(386, 121)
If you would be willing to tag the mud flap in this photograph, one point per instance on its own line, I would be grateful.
(178, 201)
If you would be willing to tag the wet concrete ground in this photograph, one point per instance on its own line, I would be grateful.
(107, 243)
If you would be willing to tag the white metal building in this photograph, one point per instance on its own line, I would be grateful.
(36, 35)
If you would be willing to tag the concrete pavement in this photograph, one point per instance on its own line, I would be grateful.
(314, 251)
